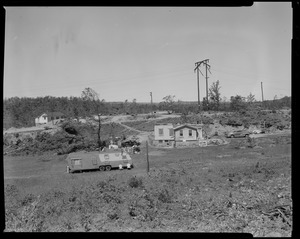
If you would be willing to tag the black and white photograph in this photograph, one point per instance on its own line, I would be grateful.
(148, 119)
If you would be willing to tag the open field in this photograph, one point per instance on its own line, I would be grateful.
(214, 189)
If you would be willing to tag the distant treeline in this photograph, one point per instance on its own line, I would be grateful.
(21, 112)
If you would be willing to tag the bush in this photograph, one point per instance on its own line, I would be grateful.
(164, 196)
(150, 116)
(70, 128)
(251, 143)
(207, 120)
(135, 182)
(234, 122)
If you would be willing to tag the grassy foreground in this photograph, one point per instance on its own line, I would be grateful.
(214, 189)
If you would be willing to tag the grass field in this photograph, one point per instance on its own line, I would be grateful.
(212, 189)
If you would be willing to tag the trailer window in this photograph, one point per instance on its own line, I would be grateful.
(77, 161)
(106, 157)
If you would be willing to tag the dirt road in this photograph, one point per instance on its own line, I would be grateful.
(279, 133)
(142, 136)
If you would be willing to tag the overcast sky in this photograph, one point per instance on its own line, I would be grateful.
(126, 52)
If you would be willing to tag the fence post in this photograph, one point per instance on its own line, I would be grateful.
(147, 156)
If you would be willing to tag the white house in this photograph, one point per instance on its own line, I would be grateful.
(53, 117)
(188, 133)
(164, 134)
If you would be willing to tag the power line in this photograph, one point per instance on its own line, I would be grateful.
(104, 81)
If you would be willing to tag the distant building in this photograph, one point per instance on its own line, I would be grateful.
(53, 117)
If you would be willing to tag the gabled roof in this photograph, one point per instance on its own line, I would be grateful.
(185, 126)
(196, 125)
(52, 114)
(168, 124)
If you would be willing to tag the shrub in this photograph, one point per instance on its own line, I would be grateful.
(135, 182)
(207, 120)
(150, 116)
(28, 198)
(164, 196)
(69, 127)
(234, 122)
(251, 142)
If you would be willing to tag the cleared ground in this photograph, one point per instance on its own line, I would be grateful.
(225, 188)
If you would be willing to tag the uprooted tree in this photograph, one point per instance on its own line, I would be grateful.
(88, 94)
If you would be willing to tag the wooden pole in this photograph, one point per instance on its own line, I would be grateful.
(151, 104)
(198, 90)
(262, 93)
(206, 86)
(147, 156)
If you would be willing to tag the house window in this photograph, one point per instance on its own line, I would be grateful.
(44, 117)
(166, 141)
(181, 132)
(52, 118)
(57, 117)
(161, 132)
(190, 132)
(171, 132)
(160, 141)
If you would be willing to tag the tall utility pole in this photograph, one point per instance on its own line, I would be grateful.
(262, 92)
(198, 90)
(151, 103)
(206, 86)
(207, 67)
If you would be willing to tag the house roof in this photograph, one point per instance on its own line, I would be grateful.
(52, 114)
(185, 126)
(196, 125)
(168, 124)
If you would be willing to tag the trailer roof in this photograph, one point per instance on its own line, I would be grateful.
(84, 153)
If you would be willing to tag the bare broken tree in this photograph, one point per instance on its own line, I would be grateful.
(90, 95)
(215, 95)
(251, 98)
(169, 102)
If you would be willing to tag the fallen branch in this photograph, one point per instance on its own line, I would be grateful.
(284, 217)
(277, 212)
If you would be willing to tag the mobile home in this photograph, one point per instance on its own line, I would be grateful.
(103, 161)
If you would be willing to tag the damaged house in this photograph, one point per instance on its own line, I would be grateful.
(53, 117)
